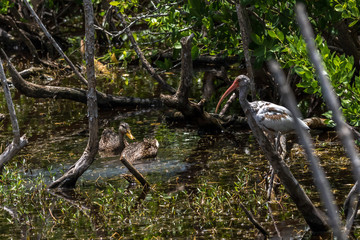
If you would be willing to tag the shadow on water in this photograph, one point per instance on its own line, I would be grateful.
(197, 181)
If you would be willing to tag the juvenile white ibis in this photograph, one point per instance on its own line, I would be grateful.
(270, 117)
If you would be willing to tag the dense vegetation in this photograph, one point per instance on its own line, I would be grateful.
(158, 27)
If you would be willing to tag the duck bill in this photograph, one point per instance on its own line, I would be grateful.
(234, 86)
(129, 135)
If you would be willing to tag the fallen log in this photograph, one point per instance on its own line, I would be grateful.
(76, 94)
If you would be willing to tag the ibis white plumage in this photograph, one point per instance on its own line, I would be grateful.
(270, 117)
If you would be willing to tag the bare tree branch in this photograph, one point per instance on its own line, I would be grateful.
(142, 58)
(254, 221)
(329, 95)
(312, 215)
(18, 142)
(245, 37)
(54, 43)
(320, 180)
(68, 180)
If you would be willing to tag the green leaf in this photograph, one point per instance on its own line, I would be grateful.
(194, 52)
(280, 35)
(338, 8)
(257, 39)
(272, 34)
(177, 45)
(114, 3)
(353, 23)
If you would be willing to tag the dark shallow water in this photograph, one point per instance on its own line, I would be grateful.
(186, 161)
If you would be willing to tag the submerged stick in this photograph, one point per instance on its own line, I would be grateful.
(254, 221)
(68, 180)
(134, 171)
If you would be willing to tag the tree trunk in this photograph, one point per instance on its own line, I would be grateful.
(68, 180)
(192, 112)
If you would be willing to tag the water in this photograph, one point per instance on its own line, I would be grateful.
(197, 181)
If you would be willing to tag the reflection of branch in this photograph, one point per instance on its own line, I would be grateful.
(54, 43)
(18, 142)
(142, 58)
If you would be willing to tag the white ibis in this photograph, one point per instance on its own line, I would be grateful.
(270, 117)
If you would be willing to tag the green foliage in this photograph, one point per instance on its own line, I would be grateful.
(274, 35)
(348, 9)
(5, 5)
(339, 68)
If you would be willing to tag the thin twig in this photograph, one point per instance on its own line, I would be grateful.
(54, 43)
(18, 142)
(141, 56)
(254, 221)
(273, 220)
(227, 104)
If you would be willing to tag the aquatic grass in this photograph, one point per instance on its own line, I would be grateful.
(204, 209)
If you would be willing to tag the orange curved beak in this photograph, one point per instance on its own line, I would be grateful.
(234, 86)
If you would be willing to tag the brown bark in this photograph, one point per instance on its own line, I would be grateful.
(312, 215)
(245, 37)
(192, 112)
(68, 180)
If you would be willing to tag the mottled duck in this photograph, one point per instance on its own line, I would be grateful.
(112, 144)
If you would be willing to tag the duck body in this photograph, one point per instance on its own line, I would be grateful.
(113, 144)
(141, 150)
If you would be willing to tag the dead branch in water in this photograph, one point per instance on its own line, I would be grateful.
(68, 180)
(193, 112)
(18, 142)
(321, 182)
(79, 95)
